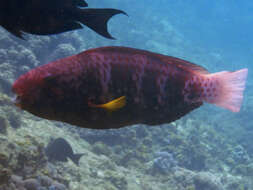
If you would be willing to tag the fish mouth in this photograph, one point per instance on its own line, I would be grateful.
(17, 101)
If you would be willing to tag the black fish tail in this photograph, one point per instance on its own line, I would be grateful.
(76, 158)
(96, 19)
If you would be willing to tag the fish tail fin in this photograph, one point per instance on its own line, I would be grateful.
(96, 19)
(76, 158)
(225, 89)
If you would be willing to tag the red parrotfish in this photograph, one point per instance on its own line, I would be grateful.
(112, 87)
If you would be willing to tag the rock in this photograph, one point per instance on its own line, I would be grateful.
(14, 119)
(57, 186)
(31, 184)
(207, 181)
(243, 169)
(45, 180)
(101, 148)
(17, 180)
(3, 159)
(5, 175)
(3, 125)
(5, 100)
(116, 179)
(42, 188)
(240, 155)
(164, 162)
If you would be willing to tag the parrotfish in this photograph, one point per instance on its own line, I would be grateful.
(45, 17)
(112, 87)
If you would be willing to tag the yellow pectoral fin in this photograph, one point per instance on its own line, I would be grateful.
(113, 105)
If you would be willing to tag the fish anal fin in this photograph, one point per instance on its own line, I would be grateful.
(113, 105)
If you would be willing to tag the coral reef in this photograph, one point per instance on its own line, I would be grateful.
(100, 148)
(164, 162)
(207, 181)
(17, 182)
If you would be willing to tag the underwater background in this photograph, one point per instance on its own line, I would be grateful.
(208, 149)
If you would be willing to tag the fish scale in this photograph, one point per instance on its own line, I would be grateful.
(112, 87)
(138, 66)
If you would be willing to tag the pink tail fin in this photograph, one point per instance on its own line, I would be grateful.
(229, 87)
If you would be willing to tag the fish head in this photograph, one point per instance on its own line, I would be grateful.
(28, 89)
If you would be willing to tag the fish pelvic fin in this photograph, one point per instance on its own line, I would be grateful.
(96, 19)
(113, 105)
(76, 158)
(227, 89)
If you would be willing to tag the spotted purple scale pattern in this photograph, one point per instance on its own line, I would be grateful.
(205, 88)
(102, 62)
(138, 64)
(161, 82)
(152, 83)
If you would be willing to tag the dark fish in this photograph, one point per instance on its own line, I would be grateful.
(111, 87)
(44, 17)
(59, 150)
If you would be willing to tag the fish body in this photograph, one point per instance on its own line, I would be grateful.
(111, 87)
(45, 17)
(59, 150)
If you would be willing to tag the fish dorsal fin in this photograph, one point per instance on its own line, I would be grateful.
(113, 105)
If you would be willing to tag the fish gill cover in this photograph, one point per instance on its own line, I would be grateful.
(207, 149)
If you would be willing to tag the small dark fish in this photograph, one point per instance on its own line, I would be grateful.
(45, 17)
(112, 87)
(59, 150)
